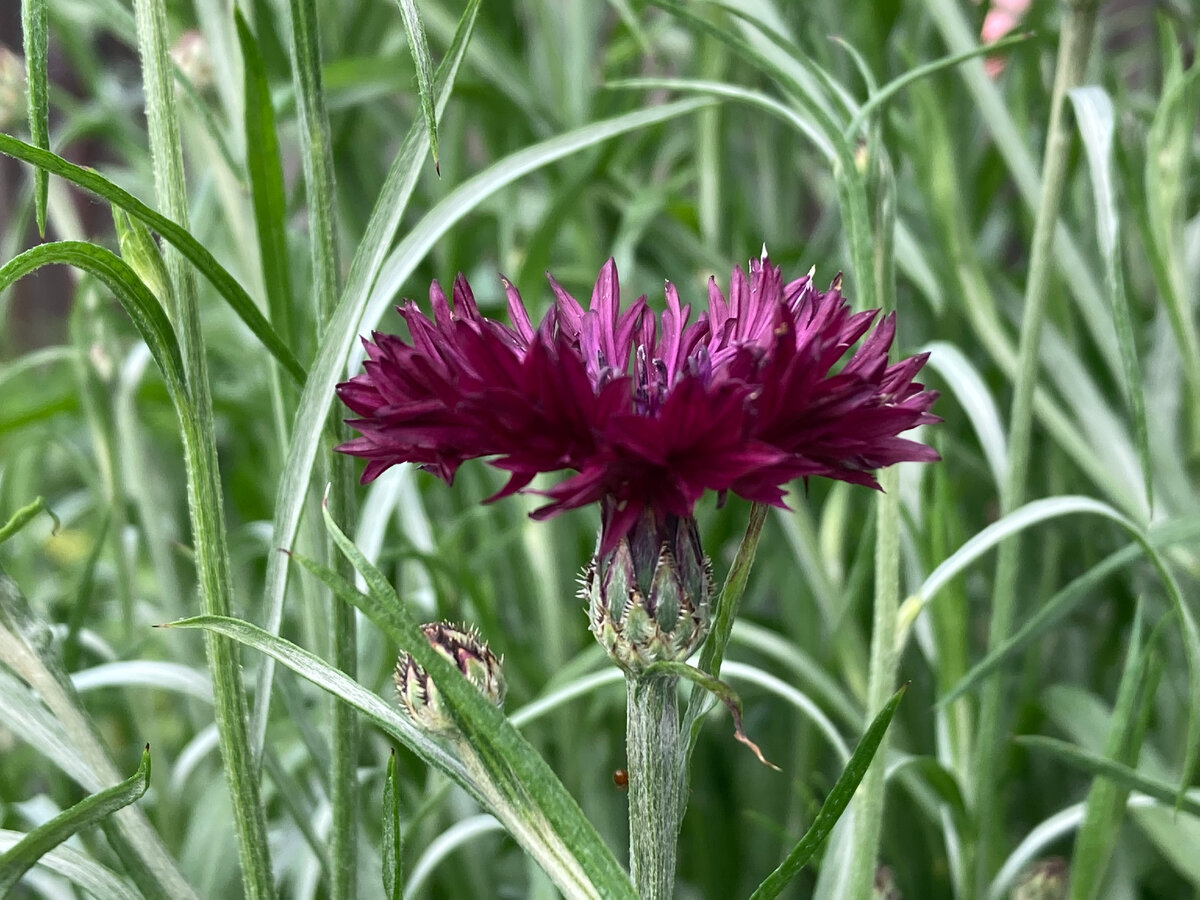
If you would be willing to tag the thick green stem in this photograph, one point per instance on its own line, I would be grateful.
(655, 750)
(1078, 28)
(200, 456)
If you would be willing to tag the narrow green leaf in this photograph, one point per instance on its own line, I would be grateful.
(393, 861)
(81, 606)
(726, 90)
(833, 807)
(713, 652)
(87, 812)
(419, 47)
(1066, 601)
(514, 768)
(719, 689)
(1097, 836)
(1094, 115)
(1168, 156)
(336, 683)
(316, 151)
(25, 514)
(142, 306)
(77, 868)
(976, 401)
(1103, 767)
(267, 193)
(35, 25)
(896, 85)
(192, 250)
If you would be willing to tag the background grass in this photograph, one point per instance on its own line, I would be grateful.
(86, 422)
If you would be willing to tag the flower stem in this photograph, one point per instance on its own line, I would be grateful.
(1078, 27)
(200, 459)
(655, 749)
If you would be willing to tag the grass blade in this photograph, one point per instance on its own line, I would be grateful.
(393, 860)
(87, 812)
(25, 514)
(713, 652)
(316, 152)
(896, 85)
(176, 235)
(1094, 115)
(1062, 604)
(1104, 767)
(141, 305)
(833, 807)
(80, 870)
(267, 193)
(1168, 153)
(35, 26)
(1097, 836)
(419, 47)
(470, 194)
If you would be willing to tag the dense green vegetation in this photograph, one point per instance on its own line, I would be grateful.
(678, 140)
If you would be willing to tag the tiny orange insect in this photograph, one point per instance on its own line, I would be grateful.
(621, 779)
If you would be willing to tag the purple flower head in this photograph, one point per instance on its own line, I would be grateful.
(648, 411)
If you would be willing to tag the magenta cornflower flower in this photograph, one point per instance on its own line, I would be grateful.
(647, 411)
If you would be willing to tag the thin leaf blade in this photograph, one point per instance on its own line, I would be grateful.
(833, 807)
(89, 811)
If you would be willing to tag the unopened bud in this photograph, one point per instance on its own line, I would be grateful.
(419, 696)
(648, 599)
(194, 59)
(885, 885)
(1046, 880)
(12, 88)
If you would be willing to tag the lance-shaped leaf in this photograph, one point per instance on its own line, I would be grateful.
(833, 807)
(20, 858)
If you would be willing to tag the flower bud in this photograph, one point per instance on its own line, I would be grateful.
(885, 885)
(648, 599)
(419, 696)
(1045, 880)
(193, 56)
(12, 88)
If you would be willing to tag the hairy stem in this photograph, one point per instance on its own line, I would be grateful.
(200, 456)
(655, 748)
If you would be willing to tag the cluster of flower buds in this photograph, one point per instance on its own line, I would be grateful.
(648, 599)
(419, 696)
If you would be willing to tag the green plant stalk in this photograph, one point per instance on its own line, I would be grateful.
(200, 457)
(881, 678)
(655, 748)
(35, 28)
(1078, 28)
(884, 653)
(317, 154)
